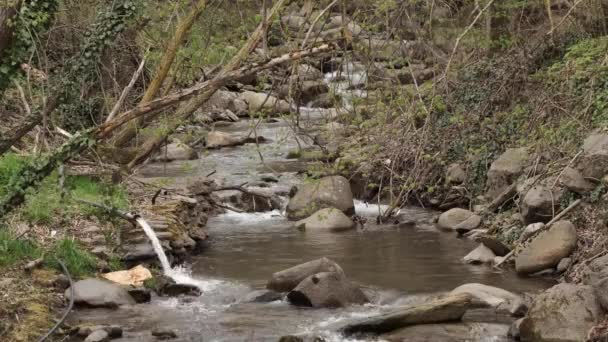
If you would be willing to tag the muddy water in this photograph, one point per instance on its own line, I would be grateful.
(395, 266)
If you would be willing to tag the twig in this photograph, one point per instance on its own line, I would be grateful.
(126, 91)
(70, 305)
(28, 110)
(564, 17)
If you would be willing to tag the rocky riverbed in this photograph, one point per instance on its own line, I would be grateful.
(288, 253)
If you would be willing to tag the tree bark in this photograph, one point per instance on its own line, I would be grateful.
(28, 123)
(6, 31)
(182, 29)
(186, 110)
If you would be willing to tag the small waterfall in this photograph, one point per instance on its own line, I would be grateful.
(158, 248)
(179, 274)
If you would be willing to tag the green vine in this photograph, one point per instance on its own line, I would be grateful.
(33, 19)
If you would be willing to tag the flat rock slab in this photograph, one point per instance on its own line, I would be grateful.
(447, 309)
(328, 219)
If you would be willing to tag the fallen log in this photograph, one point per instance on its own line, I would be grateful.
(447, 309)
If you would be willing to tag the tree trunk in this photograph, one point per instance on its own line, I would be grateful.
(183, 27)
(6, 31)
(28, 123)
(186, 110)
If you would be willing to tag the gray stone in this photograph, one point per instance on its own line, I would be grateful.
(454, 217)
(98, 336)
(288, 279)
(261, 101)
(307, 72)
(574, 181)
(540, 203)
(530, 230)
(217, 139)
(326, 290)
(140, 294)
(547, 249)
(494, 297)
(332, 191)
(164, 334)
(113, 331)
(262, 296)
(174, 290)
(328, 219)
(594, 160)
(176, 151)
(456, 174)
(480, 255)
(563, 265)
(137, 252)
(449, 332)
(505, 170)
(99, 293)
(565, 313)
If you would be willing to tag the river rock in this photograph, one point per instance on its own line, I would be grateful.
(594, 160)
(328, 219)
(497, 298)
(563, 313)
(140, 294)
(98, 336)
(455, 174)
(217, 139)
(454, 217)
(99, 293)
(113, 331)
(563, 265)
(307, 72)
(261, 101)
(480, 255)
(304, 91)
(447, 309)
(596, 275)
(332, 191)
(574, 181)
(326, 290)
(262, 296)
(288, 279)
(540, 203)
(174, 290)
(530, 230)
(547, 249)
(164, 334)
(176, 151)
(449, 332)
(497, 246)
(506, 169)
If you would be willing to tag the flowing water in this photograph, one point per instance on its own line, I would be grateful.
(396, 266)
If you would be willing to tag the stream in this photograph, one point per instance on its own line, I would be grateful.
(395, 266)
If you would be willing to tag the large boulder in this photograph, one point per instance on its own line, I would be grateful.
(547, 249)
(328, 219)
(99, 293)
(596, 275)
(328, 192)
(455, 174)
(494, 297)
(563, 313)
(506, 169)
(176, 151)
(574, 181)
(459, 218)
(225, 100)
(326, 290)
(594, 161)
(288, 279)
(540, 203)
(449, 332)
(260, 101)
(307, 72)
(217, 139)
(304, 91)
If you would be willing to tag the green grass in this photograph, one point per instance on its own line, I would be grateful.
(79, 262)
(14, 250)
